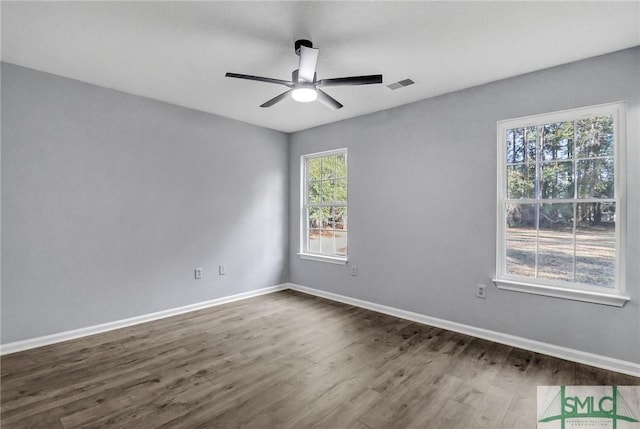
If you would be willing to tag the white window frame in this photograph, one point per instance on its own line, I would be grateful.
(304, 252)
(561, 289)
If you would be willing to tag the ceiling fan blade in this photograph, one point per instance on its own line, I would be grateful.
(260, 79)
(276, 99)
(308, 61)
(353, 80)
(328, 100)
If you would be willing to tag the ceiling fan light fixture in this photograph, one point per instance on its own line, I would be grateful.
(304, 94)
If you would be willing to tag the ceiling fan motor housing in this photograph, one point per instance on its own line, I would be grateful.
(294, 76)
(302, 42)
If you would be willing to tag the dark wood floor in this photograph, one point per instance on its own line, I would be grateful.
(284, 360)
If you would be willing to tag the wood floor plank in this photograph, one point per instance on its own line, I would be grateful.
(347, 413)
(283, 360)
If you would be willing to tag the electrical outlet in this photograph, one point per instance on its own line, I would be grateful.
(222, 270)
(354, 271)
(481, 291)
(198, 273)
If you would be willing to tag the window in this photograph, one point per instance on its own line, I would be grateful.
(560, 195)
(324, 206)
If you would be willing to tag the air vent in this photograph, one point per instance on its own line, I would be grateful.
(401, 84)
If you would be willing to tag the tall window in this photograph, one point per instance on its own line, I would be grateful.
(324, 206)
(560, 219)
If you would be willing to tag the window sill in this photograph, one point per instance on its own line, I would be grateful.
(614, 299)
(322, 258)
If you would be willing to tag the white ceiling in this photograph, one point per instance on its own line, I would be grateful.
(178, 52)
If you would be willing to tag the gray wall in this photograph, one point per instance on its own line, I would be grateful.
(422, 207)
(109, 202)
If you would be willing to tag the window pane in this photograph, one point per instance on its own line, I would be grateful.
(532, 143)
(521, 251)
(595, 250)
(595, 265)
(595, 178)
(314, 240)
(314, 168)
(341, 166)
(555, 259)
(520, 216)
(328, 167)
(319, 217)
(337, 218)
(521, 180)
(521, 145)
(596, 215)
(340, 218)
(315, 218)
(515, 145)
(521, 239)
(521, 258)
(556, 221)
(328, 191)
(331, 223)
(341, 243)
(557, 141)
(314, 192)
(595, 136)
(341, 190)
(556, 180)
(327, 242)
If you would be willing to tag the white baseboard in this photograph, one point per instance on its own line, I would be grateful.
(573, 355)
(32, 343)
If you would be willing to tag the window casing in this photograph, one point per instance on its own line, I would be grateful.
(561, 211)
(324, 206)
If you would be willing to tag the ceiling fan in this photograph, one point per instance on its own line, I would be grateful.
(304, 85)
